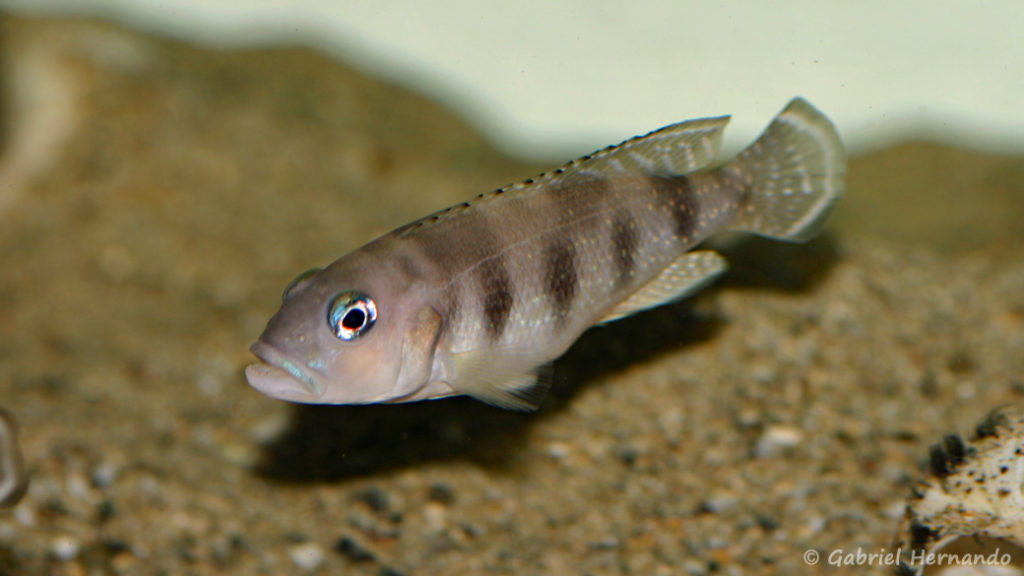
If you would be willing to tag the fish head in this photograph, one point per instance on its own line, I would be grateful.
(342, 336)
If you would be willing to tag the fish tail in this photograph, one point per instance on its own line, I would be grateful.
(792, 175)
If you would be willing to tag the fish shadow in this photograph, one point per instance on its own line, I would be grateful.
(336, 443)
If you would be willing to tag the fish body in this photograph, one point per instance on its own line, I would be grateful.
(475, 298)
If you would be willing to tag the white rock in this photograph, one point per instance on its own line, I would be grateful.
(65, 548)
(776, 440)
(308, 556)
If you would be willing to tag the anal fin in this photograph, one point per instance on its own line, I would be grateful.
(684, 277)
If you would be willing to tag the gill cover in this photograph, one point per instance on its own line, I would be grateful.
(418, 346)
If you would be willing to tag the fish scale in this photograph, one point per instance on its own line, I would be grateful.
(475, 298)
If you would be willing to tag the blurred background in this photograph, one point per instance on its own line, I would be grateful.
(543, 79)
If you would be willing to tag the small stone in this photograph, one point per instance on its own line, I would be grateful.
(767, 523)
(115, 545)
(966, 391)
(558, 450)
(627, 454)
(106, 510)
(103, 476)
(471, 530)
(375, 498)
(441, 493)
(817, 524)
(765, 373)
(609, 543)
(720, 501)
(308, 556)
(77, 487)
(240, 454)
(389, 571)
(210, 385)
(269, 428)
(123, 562)
(436, 516)
(65, 548)
(749, 418)
(695, 567)
(776, 440)
(355, 552)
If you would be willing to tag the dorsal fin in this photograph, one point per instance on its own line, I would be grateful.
(670, 151)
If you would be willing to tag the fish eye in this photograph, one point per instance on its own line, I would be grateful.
(351, 314)
(299, 280)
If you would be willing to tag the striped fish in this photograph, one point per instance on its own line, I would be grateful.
(13, 476)
(474, 299)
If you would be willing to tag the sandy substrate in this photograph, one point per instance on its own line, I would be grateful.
(177, 191)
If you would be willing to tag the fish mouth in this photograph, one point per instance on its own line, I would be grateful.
(282, 377)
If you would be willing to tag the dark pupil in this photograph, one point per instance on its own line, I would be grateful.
(354, 319)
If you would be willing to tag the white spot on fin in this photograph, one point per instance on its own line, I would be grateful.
(686, 276)
(504, 377)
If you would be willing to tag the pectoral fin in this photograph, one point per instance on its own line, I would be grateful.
(684, 277)
(503, 377)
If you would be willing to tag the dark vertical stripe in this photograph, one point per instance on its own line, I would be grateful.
(561, 278)
(449, 250)
(498, 296)
(624, 242)
(677, 196)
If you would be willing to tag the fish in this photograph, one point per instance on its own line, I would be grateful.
(479, 298)
(13, 475)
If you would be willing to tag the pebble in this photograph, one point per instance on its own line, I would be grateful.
(350, 548)
(814, 525)
(106, 510)
(436, 516)
(627, 454)
(609, 543)
(558, 450)
(375, 498)
(123, 562)
(776, 440)
(103, 476)
(78, 487)
(764, 373)
(269, 428)
(672, 424)
(441, 493)
(720, 501)
(694, 567)
(65, 548)
(308, 556)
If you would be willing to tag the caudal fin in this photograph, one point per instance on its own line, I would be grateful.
(794, 174)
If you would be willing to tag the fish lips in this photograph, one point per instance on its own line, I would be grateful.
(280, 376)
